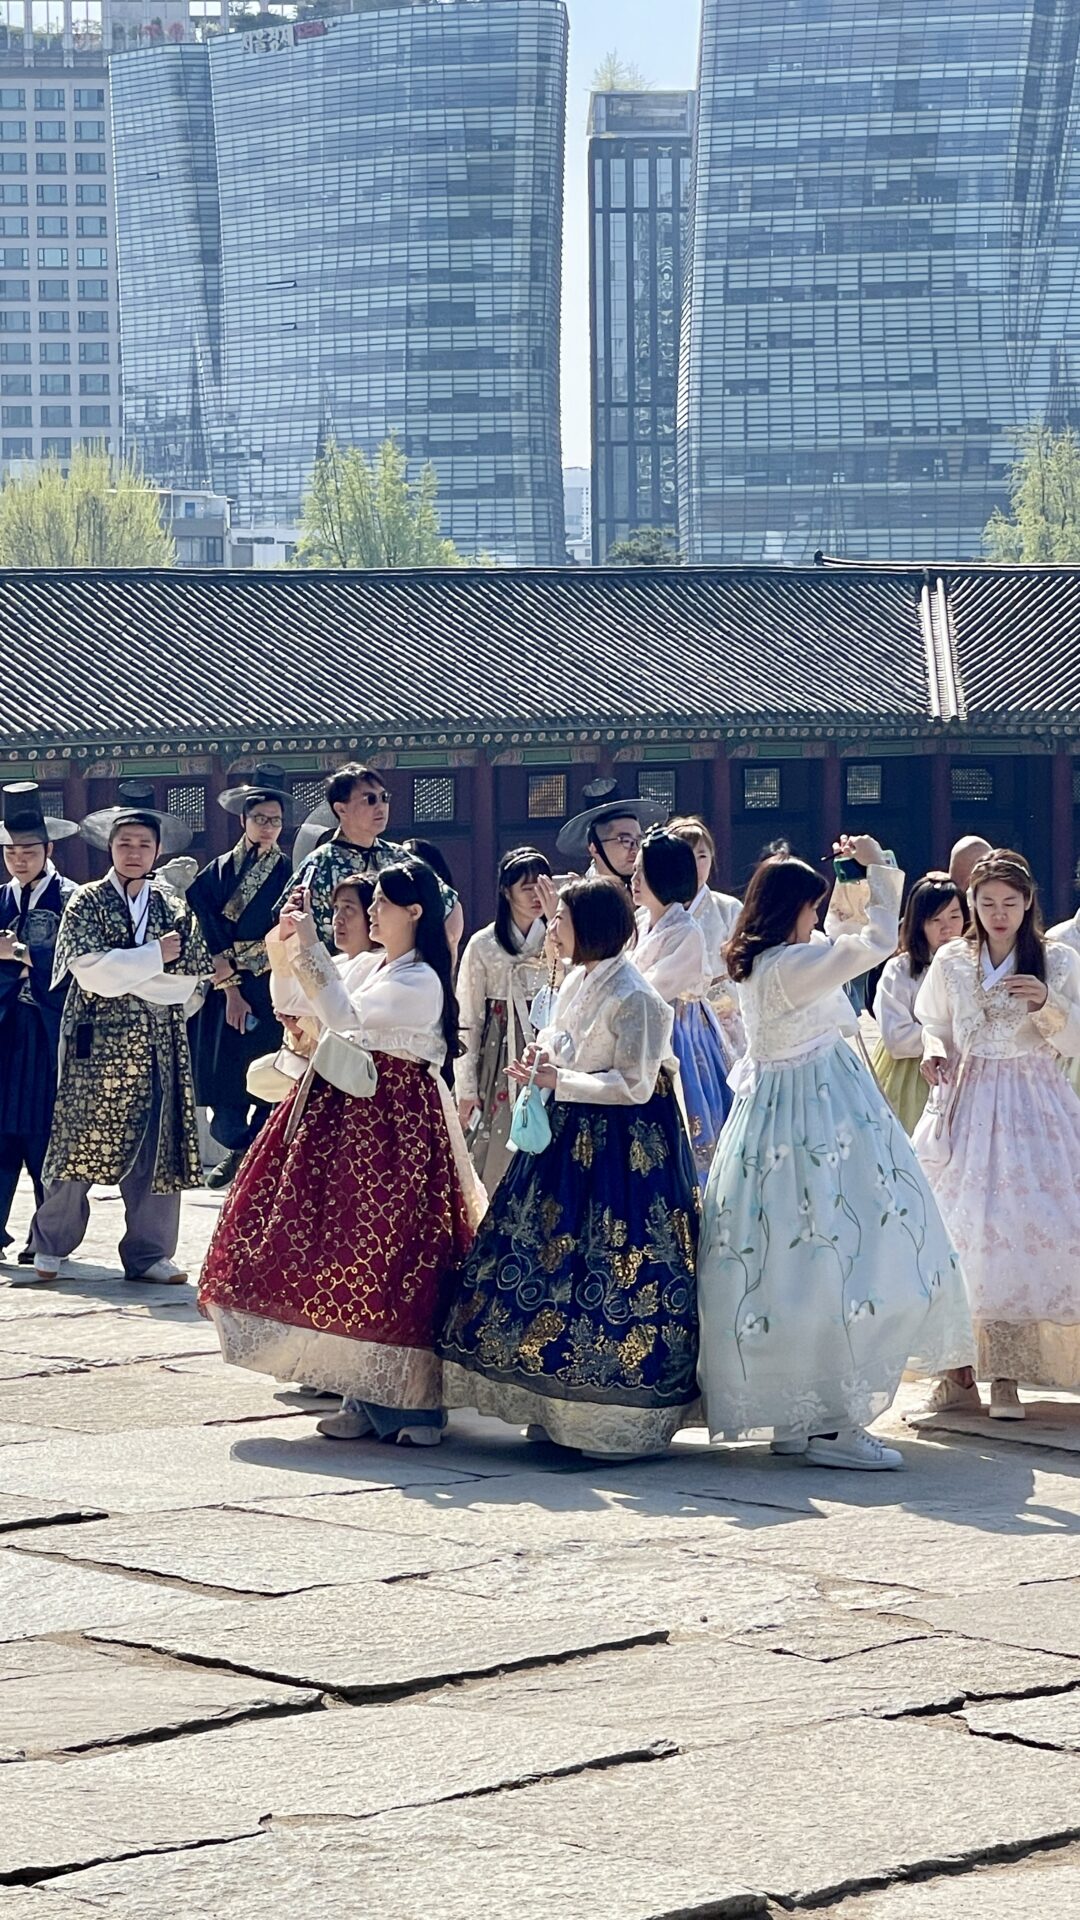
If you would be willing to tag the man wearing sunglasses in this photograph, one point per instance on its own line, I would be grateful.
(359, 803)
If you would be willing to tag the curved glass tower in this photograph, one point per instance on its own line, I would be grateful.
(886, 237)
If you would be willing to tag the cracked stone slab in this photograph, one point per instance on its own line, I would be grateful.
(1045, 1616)
(1054, 1722)
(370, 1641)
(221, 1785)
(174, 1467)
(1026, 1890)
(15, 1514)
(250, 1552)
(812, 1814)
(946, 1554)
(389, 1867)
(116, 1399)
(1049, 1423)
(680, 1586)
(826, 1633)
(702, 1693)
(59, 1699)
(109, 1339)
(47, 1596)
(27, 1366)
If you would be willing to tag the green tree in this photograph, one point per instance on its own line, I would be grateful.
(1043, 522)
(645, 547)
(361, 513)
(616, 75)
(98, 512)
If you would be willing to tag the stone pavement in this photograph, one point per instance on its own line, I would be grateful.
(249, 1671)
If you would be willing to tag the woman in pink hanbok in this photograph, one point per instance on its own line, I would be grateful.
(999, 1010)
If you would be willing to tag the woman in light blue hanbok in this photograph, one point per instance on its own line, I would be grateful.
(824, 1267)
(672, 955)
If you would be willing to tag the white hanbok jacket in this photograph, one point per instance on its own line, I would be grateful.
(963, 1016)
(609, 1036)
(489, 973)
(894, 1009)
(794, 1001)
(673, 956)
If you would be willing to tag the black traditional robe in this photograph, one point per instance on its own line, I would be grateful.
(235, 901)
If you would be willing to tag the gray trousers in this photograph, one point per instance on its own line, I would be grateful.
(152, 1219)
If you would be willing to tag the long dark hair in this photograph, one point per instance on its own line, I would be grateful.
(780, 888)
(925, 901)
(524, 863)
(411, 883)
(1010, 869)
(433, 857)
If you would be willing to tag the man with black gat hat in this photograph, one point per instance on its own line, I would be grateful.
(125, 1106)
(610, 831)
(31, 903)
(235, 899)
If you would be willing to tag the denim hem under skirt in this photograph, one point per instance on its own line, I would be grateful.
(576, 1306)
(825, 1268)
(699, 1047)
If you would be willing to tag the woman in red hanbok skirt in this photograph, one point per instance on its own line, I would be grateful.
(330, 1259)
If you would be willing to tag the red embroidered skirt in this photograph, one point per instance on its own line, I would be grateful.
(330, 1259)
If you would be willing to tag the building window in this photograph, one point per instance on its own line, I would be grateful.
(52, 802)
(52, 256)
(90, 196)
(657, 784)
(15, 322)
(50, 196)
(89, 129)
(188, 802)
(547, 796)
(92, 322)
(761, 789)
(89, 163)
(93, 289)
(50, 130)
(14, 353)
(16, 416)
(863, 786)
(973, 785)
(93, 352)
(433, 798)
(16, 449)
(89, 97)
(58, 449)
(308, 792)
(54, 382)
(54, 353)
(94, 417)
(50, 321)
(55, 417)
(48, 99)
(12, 97)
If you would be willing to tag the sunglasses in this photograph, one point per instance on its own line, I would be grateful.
(381, 799)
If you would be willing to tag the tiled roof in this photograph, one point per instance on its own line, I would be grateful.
(1016, 638)
(99, 659)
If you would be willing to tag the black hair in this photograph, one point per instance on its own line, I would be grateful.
(927, 898)
(523, 863)
(411, 883)
(618, 810)
(259, 799)
(358, 883)
(1009, 869)
(601, 916)
(131, 817)
(340, 783)
(429, 853)
(779, 889)
(669, 868)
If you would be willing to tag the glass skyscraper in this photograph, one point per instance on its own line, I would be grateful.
(639, 191)
(377, 251)
(885, 245)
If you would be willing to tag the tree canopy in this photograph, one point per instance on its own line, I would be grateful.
(645, 547)
(367, 513)
(1043, 522)
(93, 512)
(616, 75)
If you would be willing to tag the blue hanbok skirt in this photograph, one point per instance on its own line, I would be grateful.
(575, 1309)
(825, 1268)
(699, 1048)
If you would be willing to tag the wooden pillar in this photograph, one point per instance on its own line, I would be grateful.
(942, 832)
(484, 854)
(832, 807)
(222, 829)
(719, 814)
(72, 854)
(1063, 850)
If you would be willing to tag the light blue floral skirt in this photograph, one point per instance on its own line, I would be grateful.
(824, 1267)
(699, 1048)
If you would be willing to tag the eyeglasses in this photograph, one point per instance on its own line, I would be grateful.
(630, 842)
(266, 819)
(381, 799)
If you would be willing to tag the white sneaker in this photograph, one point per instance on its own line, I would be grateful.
(418, 1436)
(948, 1396)
(853, 1447)
(345, 1426)
(164, 1273)
(46, 1266)
(1005, 1402)
(787, 1441)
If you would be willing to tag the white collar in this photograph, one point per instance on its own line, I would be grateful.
(991, 974)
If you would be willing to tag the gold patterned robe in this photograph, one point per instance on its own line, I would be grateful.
(108, 1045)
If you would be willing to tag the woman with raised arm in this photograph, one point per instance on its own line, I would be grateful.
(824, 1269)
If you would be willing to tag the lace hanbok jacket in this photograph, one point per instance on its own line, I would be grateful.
(610, 1036)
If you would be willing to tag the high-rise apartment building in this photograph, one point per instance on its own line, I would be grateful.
(347, 227)
(59, 314)
(639, 192)
(885, 245)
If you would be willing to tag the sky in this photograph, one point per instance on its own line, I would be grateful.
(661, 38)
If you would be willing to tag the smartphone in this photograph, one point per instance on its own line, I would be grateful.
(847, 869)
